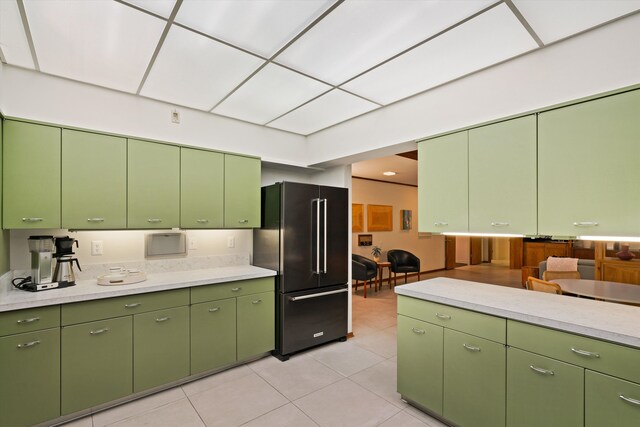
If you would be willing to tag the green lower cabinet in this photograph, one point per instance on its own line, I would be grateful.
(543, 391)
(256, 324)
(96, 364)
(474, 380)
(29, 378)
(420, 362)
(213, 335)
(610, 401)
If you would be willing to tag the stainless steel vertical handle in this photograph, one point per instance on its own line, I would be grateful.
(317, 236)
(325, 236)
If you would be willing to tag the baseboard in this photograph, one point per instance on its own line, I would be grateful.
(350, 335)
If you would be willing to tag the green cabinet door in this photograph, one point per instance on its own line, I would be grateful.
(474, 380)
(543, 391)
(94, 181)
(160, 347)
(201, 189)
(256, 324)
(241, 192)
(588, 168)
(96, 364)
(31, 175)
(30, 378)
(611, 401)
(502, 177)
(420, 350)
(213, 335)
(443, 184)
(153, 184)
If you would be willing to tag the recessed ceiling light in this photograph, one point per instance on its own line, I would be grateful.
(389, 173)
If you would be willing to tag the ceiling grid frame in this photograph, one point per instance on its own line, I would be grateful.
(27, 31)
(524, 22)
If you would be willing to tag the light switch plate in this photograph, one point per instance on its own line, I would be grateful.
(231, 242)
(96, 247)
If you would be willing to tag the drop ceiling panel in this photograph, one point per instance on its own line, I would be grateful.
(494, 36)
(334, 107)
(104, 43)
(273, 91)
(360, 34)
(159, 7)
(13, 40)
(557, 19)
(195, 71)
(261, 27)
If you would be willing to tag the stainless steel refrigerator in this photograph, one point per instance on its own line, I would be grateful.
(304, 236)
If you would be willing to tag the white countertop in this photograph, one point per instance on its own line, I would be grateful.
(608, 321)
(84, 290)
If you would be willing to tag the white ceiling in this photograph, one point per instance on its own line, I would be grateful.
(295, 65)
(406, 169)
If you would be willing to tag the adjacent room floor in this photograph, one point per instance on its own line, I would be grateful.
(340, 384)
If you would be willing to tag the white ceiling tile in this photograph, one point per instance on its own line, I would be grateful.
(273, 91)
(492, 37)
(159, 7)
(261, 27)
(195, 71)
(104, 43)
(556, 19)
(334, 107)
(13, 40)
(360, 34)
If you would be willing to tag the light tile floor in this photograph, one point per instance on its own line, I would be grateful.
(340, 384)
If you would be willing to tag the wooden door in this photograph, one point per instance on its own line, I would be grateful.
(475, 257)
(449, 252)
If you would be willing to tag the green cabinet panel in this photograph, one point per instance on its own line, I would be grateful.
(201, 189)
(213, 335)
(94, 181)
(31, 175)
(420, 351)
(231, 289)
(443, 184)
(241, 191)
(256, 324)
(30, 378)
(474, 380)
(97, 363)
(610, 401)
(153, 185)
(588, 168)
(160, 347)
(543, 391)
(4, 235)
(502, 177)
(28, 320)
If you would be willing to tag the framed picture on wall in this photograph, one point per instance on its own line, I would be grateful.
(405, 218)
(357, 218)
(379, 218)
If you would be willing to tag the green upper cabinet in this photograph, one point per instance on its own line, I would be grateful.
(443, 184)
(241, 192)
(588, 168)
(31, 175)
(153, 185)
(94, 181)
(502, 177)
(201, 189)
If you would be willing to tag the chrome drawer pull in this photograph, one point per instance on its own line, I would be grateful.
(132, 305)
(585, 353)
(99, 331)
(418, 331)
(32, 219)
(154, 220)
(443, 316)
(29, 344)
(630, 400)
(258, 301)
(243, 221)
(214, 309)
(471, 347)
(162, 319)
(500, 224)
(541, 370)
(236, 289)
(95, 219)
(440, 224)
(202, 221)
(585, 224)
(30, 320)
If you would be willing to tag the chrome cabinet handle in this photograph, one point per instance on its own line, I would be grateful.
(202, 221)
(585, 224)
(214, 309)
(162, 319)
(585, 352)
(236, 289)
(630, 400)
(443, 316)
(32, 219)
(154, 220)
(258, 301)
(471, 347)
(99, 331)
(440, 224)
(98, 219)
(29, 344)
(29, 320)
(133, 305)
(500, 224)
(243, 221)
(541, 370)
(418, 331)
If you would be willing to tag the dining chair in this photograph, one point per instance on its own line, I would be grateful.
(534, 284)
(549, 276)
(363, 268)
(403, 262)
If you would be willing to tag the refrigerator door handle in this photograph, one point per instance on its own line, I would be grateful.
(325, 236)
(318, 295)
(317, 271)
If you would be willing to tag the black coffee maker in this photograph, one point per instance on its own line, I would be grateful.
(63, 273)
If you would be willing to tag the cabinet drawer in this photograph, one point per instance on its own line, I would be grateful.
(481, 325)
(88, 311)
(590, 353)
(610, 401)
(231, 289)
(31, 319)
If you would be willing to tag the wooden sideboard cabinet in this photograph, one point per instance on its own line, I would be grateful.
(615, 270)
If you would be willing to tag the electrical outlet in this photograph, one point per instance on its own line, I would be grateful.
(175, 116)
(231, 242)
(96, 247)
(193, 244)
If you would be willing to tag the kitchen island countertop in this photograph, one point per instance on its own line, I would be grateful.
(612, 322)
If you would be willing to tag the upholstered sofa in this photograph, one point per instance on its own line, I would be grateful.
(586, 268)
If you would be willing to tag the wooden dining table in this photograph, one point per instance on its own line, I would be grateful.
(600, 289)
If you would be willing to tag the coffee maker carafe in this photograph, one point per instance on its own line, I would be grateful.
(63, 273)
(41, 248)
